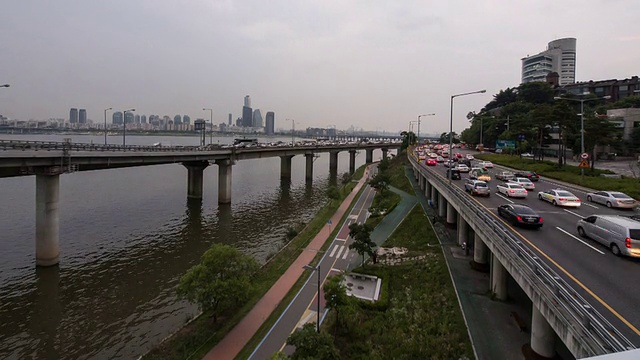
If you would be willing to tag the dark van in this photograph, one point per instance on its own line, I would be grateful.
(455, 174)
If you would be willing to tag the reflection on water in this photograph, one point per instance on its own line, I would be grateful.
(126, 237)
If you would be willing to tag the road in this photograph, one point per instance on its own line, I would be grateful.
(604, 280)
(304, 306)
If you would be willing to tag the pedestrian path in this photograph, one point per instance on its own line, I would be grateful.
(240, 335)
(339, 254)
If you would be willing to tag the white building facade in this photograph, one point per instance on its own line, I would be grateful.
(560, 57)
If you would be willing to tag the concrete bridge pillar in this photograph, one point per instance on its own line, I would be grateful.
(308, 166)
(434, 194)
(224, 180)
(333, 162)
(427, 189)
(352, 161)
(542, 337)
(384, 153)
(442, 206)
(195, 175)
(285, 167)
(451, 215)
(480, 252)
(47, 242)
(498, 279)
(369, 156)
(463, 231)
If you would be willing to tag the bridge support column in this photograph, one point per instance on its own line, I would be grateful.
(451, 215)
(480, 252)
(47, 241)
(369, 156)
(384, 153)
(542, 338)
(285, 167)
(195, 175)
(463, 231)
(224, 180)
(427, 189)
(498, 279)
(308, 166)
(442, 206)
(434, 195)
(352, 161)
(333, 162)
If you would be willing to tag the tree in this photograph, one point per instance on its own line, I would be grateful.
(408, 139)
(312, 345)
(335, 295)
(222, 281)
(380, 182)
(333, 193)
(346, 178)
(384, 165)
(362, 243)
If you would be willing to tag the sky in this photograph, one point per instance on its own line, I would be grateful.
(371, 64)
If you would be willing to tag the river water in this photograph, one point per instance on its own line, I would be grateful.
(126, 237)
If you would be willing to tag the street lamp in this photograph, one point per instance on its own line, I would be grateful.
(419, 116)
(316, 269)
(105, 125)
(5, 85)
(451, 121)
(582, 119)
(124, 125)
(211, 133)
(293, 131)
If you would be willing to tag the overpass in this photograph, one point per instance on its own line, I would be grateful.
(48, 160)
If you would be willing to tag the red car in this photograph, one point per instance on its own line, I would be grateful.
(459, 156)
(431, 162)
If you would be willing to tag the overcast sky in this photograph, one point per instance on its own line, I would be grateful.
(370, 64)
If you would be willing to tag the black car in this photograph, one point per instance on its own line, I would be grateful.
(449, 163)
(531, 175)
(465, 161)
(520, 215)
(455, 174)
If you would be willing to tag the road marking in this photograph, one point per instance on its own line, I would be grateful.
(339, 252)
(576, 214)
(577, 238)
(593, 206)
(333, 251)
(344, 257)
(500, 195)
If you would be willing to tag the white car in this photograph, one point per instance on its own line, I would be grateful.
(470, 157)
(612, 199)
(486, 164)
(511, 189)
(559, 197)
(527, 155)
(526, 183)
(463, 168)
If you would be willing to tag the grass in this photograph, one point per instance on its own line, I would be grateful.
(388, 200)
(422, 319)
(569, 174)
(195, 339)
(397, 175)
(359, 173)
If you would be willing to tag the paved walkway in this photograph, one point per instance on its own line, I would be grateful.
(240, 335)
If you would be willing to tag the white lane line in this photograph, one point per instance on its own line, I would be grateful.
(340, 252)
(333, 251)
(504, 197)
(576, 214)
(344, 257)
(577, 238)
(593, 206)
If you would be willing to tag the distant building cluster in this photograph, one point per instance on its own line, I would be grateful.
(253, 120)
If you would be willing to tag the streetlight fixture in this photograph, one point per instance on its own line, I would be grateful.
(419, 116)
(293, 131)
(582, 119)
(105, 125)
(5, 85)
(316, 269)
(124, 125)
(451, 121)
(211, 133)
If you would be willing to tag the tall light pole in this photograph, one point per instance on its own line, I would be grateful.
(105, 125)
(451, 121)
(124, 126)
(211, 133)
(293, 131)
(582, 100)
(316, 269)
(419, 116)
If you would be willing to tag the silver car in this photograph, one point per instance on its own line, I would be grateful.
(477, 187)
(619, 233)
(511, 189)
(526, 183)
(612, 199)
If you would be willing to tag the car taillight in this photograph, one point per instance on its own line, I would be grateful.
(541, 220)
(511, 191)
(562, 199)
(578, 200)
(627, 243)
(519, 218)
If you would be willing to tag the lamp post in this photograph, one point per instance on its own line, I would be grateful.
(105, 125)
(451, 121)
(211, 133)
(5, 85)
(316, 269)
(293, 131)
(419, 116)
(582, 120)
(124, 126)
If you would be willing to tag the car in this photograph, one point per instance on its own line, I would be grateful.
(459, 156)
(559, 197)
(526, 183)
(477, 187)
(455, 174)
(521, 215)
(498, 151)
(431, 162)
(449, 163)
(463, 168)
(465, 161)
(618, 233)
(510, 189)
(470, 157)
(527, 155)
(612, 199)
(433, 155)
(505, 176)
(531, 175)
(440, 159)
(486, 164)
(479, 174)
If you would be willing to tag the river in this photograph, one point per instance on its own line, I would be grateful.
(126, 237)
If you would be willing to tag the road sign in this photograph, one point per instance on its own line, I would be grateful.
(584, 164)
(584, 156)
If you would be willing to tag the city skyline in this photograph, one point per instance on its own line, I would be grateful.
(374, 66)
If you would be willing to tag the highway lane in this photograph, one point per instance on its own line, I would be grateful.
(603, 279)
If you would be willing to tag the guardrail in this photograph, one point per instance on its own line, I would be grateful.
(598, 335)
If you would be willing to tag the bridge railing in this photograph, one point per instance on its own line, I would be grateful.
(598, 335)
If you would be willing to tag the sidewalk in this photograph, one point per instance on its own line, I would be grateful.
(240, 335)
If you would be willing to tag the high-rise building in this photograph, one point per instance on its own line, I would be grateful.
(560, 57)
(270, 123)
(143, 119)
(230, 117)
(186, 119)
(116, 118)
(82, 116)
(257, 118)
(73, 115)
(247, 101)
(247, 116)
(136, 119)
(177, 119)
(129, 117)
